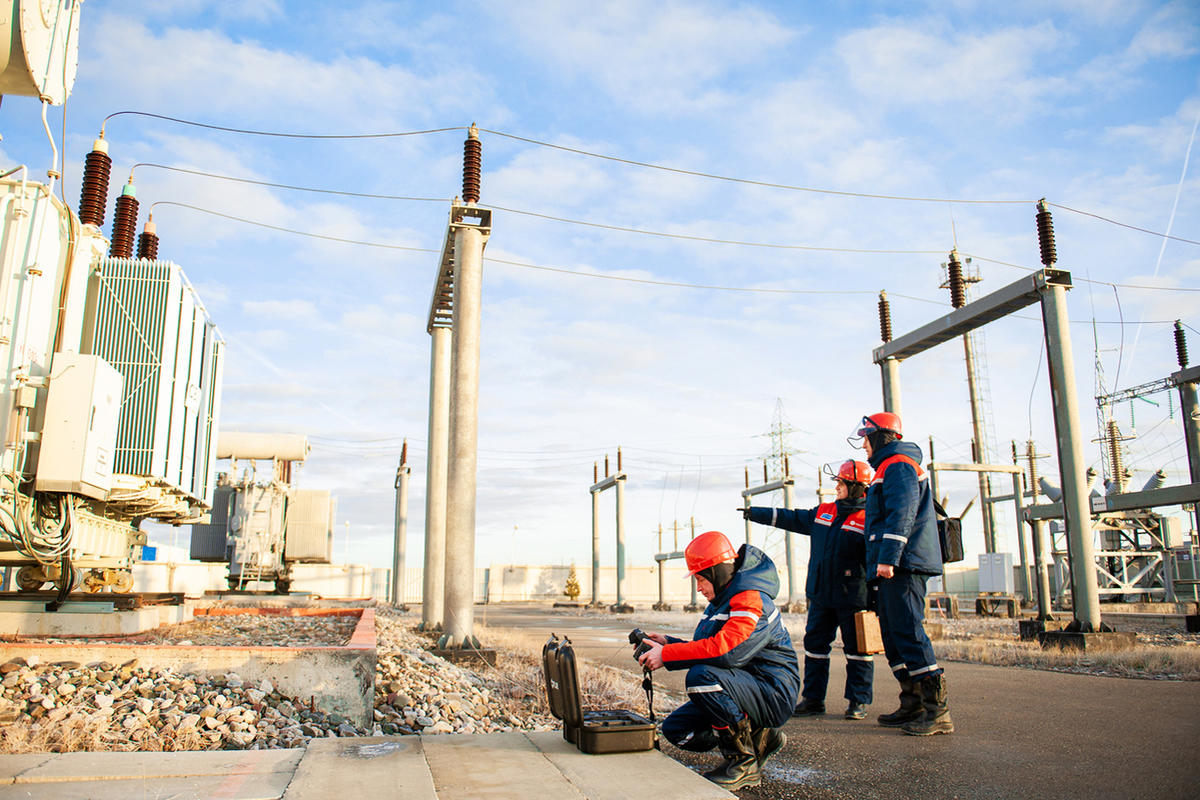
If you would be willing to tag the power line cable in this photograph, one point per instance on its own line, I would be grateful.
(288, 186)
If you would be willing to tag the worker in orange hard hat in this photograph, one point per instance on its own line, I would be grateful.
(742, 672)
(903, 552)
(836, 588)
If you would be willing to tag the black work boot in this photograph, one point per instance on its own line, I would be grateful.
(936, 718)
(808, 707)
(855, 710)
(910, 707)
(767, 742)
(741, 762)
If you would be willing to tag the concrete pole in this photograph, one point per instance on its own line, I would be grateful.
(788, 499)
(662, 586)
(464, 435)
(436, 465)
(692, 581)
(595, 548)
(889, 370)
(933, 481)
(1060, 359)
(400, 542)
(1018, 482)
(979, 452)
(620, 541)
(1041, 548)
(1190, 411)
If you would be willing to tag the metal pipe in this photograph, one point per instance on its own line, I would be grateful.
(889, 371)
(595, 547)
(1041, 548)
(979, 451)
(436, 466)
(620, 540)
(1060, 362)
(1018, 481)
(401, 538)
(662, 587)
(788, 500)
(464, 437)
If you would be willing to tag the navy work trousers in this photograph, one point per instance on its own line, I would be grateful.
(822, 627)
(901, 618)
(719, 698)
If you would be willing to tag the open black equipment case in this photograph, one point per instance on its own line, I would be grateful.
(602, 731)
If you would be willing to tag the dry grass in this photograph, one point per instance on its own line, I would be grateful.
(1161, 663)
(519, 671)
(84, 732)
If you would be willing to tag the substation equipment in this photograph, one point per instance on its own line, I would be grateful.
(111, 379)
(400, 533)
(786, 484)
(262, 525)
(452, 467)
(615, 481)
(660, 560)
(1047, 287)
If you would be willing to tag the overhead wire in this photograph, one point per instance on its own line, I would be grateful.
(633, 162)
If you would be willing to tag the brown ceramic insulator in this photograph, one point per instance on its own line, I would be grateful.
(472, 164)
(124, 225)
(885, 318)
(1045, 228)
(958, 293)
(148, 246)
(1180, 345)
(94, 195)
(1116, 462)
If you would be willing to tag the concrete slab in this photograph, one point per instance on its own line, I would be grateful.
(500, 766)
(13, 766)
(105, 766)
(391, 766)
(98, 622)
(269, 786)
(649, 774)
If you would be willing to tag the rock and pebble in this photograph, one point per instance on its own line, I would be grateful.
(101, 706)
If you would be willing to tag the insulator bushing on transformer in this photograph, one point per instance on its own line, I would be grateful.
(885, 318)
(1180, 345)
(1115, 459)
(93, 197)
(472, 164)
(148, 241)
(1045, 228)
(958, 291)
(124, 223)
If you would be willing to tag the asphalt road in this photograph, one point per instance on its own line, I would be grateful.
(1020, 733)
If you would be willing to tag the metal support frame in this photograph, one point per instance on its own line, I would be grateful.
(787, 484)
(616, 480)
(1018, 480)
(1047, 286)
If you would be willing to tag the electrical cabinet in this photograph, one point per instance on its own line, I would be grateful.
(996, 573)
(209, 540)
(79, 432)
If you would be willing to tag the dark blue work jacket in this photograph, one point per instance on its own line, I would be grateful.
(901, 521)
(837, 558)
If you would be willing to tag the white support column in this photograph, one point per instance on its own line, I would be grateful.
(620, 480)
(400, 542)
(789, 490)
(459, 620)
(595, 547)
(433, 577)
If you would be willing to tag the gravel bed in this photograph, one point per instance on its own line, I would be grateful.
(66, 706)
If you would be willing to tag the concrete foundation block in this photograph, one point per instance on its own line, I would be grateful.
(467, 655)
(1093, 641)
(1192, 622)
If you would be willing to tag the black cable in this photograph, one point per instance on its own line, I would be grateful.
(276, 134)
(289, 186)
(1123, 225)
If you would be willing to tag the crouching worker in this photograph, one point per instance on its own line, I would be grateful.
(836, 586)
(743, 676)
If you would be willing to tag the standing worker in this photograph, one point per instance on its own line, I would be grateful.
(903, 551)
(836, 588)
(742, 672)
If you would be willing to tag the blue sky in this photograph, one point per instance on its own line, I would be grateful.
(1092, 105)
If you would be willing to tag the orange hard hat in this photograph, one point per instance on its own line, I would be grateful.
(706, 550)
(851, 471)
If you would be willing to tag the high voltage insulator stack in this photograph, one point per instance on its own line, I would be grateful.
(885, 318)
(148, 241)
(124, 223)
(1045, 229)
(1181, 352)
(472, 163)
(94, 194)
(954, 273)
